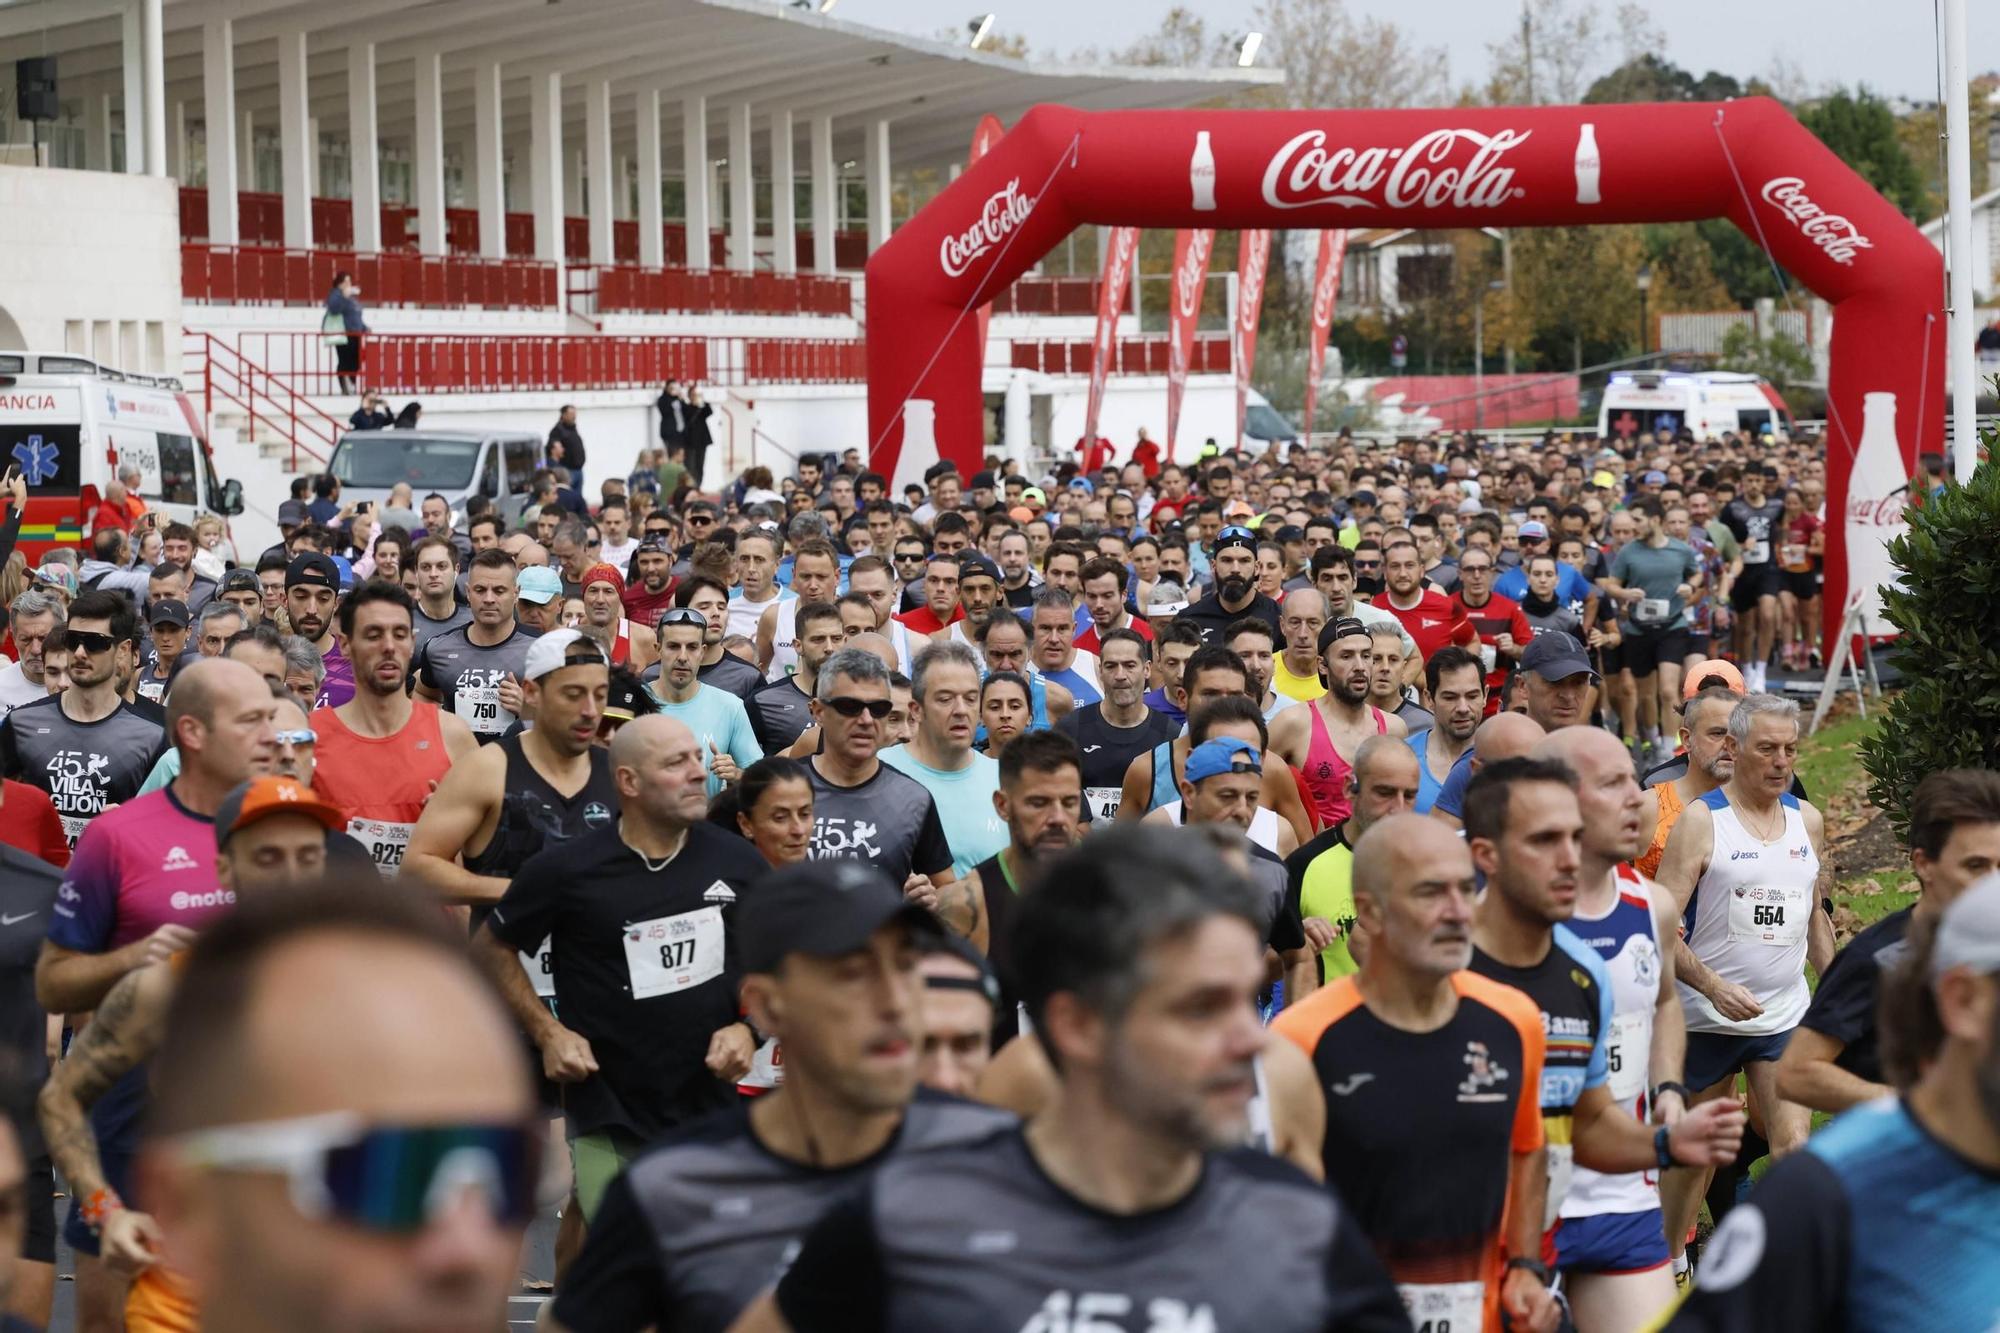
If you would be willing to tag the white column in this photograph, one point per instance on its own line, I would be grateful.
(429, 153)
(545, 164)
(218, 94)
(877, 154)
(599, 170)
(488, 170)
(312, 156)
(742, 192)
(824, 184)
(246, 149)
(132, 72)
(295, 137)
(652, 243)
(694, 167)
(153, 55)
(176, 147)
(784, 225)
(364, 154)
(97, 131)
(573, 186)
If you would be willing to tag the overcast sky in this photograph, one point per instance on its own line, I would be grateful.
(1887, 44)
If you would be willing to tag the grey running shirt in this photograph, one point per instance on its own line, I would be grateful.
(889, 820)
(696, 1228)
(423, 629)
(467, 677)
(979, 1240)
(83, 766)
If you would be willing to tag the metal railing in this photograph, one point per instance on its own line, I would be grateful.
(604, 289)
(219, 373)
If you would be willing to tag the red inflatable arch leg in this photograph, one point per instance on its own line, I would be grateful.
(1748, 161)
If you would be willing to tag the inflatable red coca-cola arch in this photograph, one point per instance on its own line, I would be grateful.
(1748, 161)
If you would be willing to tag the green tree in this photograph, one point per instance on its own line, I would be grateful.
(1861, 130)
(1947, 714)
(1778, 359)
(1649, 78)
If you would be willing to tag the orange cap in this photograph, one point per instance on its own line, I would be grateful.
(1714, 671)
(259, 797)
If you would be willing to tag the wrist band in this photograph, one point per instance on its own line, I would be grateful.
(98, 1208)
(1663, 1149)
(1668, 1085)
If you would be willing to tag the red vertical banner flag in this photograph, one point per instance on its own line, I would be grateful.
(1326, 290)
(1112, 284)
(987, 133)
(1192, 248)
(1253, 259)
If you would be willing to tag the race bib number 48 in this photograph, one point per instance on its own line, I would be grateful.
(674, 953)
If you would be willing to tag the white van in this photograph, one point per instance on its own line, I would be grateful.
(457, 464)
(1708, 403)
(70, 424)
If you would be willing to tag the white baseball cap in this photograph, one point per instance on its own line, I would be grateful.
(1969, 932)
(557, 649)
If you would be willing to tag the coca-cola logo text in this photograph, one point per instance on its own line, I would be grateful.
(1864, 511)
(1324, 289)
(1187, 282)
(1005, 210)
(1305, 173)
(1831, 232)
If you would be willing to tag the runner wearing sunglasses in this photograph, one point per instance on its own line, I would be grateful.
(866, 810)
(270, 835)
(343, 1146)
(699, 1224)
(384, 753)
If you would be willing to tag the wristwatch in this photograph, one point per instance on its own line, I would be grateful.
(1668, 1085)
(1530, 1265)
(1663, 1148)
(756, 1037)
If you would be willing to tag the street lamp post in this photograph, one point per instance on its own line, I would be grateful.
(1479, 352)
(1644, 280)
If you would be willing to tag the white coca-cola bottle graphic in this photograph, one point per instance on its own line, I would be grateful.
(1877, 491)
(920, 447)
(1586, 164)
(1201, 173)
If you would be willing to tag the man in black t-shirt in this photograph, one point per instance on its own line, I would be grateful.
(707, 1218)
(1234, 562)
(1832, 1062)
(639, 916)
(1111, 734)
(1754, 518)
(27, 892)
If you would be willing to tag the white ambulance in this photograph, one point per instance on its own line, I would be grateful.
(69, 424)
(1708, 403)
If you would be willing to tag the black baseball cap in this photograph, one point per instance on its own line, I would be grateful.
(653, 546)
(1557, 655)
(291, 513)
(983, 480)
(170, 611)
(240, 580)
(972, 566)
(313, 569)
(986, 983)
(1339, 629)
(822, 908)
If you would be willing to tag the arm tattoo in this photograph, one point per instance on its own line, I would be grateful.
(124, 1032)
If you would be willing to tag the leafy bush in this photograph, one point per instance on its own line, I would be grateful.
(1948, 713)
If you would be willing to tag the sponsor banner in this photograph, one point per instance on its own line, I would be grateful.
(1839, 238)
(1004, 211)
(1253, 259)
(1445, 168)
(984, 137)
(1192, 248)
(1113, 283)
(1326, 290)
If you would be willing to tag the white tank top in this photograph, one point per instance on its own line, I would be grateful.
(1626, 939)
(1748, 918)
(743, 614)
(958, 635)
(1263, 824)
(1263, 1133)
(785, 641)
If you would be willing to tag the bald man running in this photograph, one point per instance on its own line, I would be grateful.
(1502, 736)
(645, 965)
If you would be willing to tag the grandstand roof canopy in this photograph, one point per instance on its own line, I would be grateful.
(772, 56)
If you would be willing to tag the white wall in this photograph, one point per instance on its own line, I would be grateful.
(90, 262)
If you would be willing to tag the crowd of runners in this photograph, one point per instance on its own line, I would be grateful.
(1359, 886)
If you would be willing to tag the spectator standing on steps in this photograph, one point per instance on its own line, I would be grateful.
(345, 338)
(565, 446)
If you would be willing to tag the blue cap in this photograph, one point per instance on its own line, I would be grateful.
(538, 584)
(1084, 484)
(1224, 754)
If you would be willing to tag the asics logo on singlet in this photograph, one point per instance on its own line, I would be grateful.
(1105, 1311)
(178, 859)
(1741, 855)
(1482, 1074)
(182, 901)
